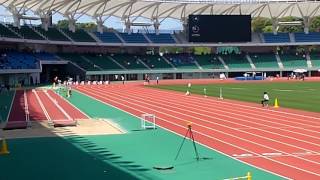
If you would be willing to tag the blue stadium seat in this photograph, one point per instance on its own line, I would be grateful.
(43, 56)
(133, 38)
(311, 37)
(161, 38)
(18, 60)
(108, 37)
(276, 38)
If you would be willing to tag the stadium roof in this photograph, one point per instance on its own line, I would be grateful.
(163, 9)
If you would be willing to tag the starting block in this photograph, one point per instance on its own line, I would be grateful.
(148, 121)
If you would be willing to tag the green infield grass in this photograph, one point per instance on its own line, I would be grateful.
(298, 95)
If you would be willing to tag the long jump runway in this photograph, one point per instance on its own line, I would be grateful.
(284, 142)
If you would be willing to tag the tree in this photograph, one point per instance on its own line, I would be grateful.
(63, 24)
(290, 28)
(267, 29)
(315, 24)
(202, 50)
(87, 26)
(259, 23)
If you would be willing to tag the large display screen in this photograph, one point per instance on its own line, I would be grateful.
(219, 28)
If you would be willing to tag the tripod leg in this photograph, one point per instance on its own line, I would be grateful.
(194, 145)
(184, 139)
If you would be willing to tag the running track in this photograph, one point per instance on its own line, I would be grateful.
(285, 142)
(42, 107)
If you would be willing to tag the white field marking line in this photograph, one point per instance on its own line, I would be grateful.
(235, 88)
(237, 147)
(283, 128)
(248, 127)
(58, 106)
(217, 104)
(168, 108)
(243, 139)
(26, 108)
(201, 108)
(42, 106)
(296, 90)
(14, 96)
(243, 156)
(228, 110)
(236, 104)
(210, 137)
(71, 104)
(283, 90)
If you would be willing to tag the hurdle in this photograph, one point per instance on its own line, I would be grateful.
(148, 121)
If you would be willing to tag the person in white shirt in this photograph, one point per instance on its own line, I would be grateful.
(265, 101)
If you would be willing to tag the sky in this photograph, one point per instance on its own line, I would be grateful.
(114, 22)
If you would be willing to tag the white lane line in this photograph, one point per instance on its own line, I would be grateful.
(234, 136)
(143, 100)
(215, 101)
(223, 142)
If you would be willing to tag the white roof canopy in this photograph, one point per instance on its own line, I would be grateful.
(162, 9)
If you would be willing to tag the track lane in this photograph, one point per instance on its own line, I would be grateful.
(115, 102)
(73, 112)
(53, 111)
(216, 119)
(269, 120)
(36, 112)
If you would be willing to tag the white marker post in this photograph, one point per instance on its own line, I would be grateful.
(220, 96)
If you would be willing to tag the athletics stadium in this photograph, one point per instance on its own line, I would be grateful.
(159, 89)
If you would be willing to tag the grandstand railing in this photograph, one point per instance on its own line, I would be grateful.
(249, 44)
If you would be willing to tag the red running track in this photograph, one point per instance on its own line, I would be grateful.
(285, 142)
(17, 116)
(59, 111)
(70, 109)
(36, 113)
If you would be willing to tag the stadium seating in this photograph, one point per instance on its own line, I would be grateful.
(315, 59)
(265, 60)
(133, 38)
(155, 62)
(103, 61)
(26, 32)
(18, 60)
(182, 61)
(79, 35)
(161, 38)
(5, 32)
(43, 56)
(128, 61)
(209, 62)
(293, 61)
(52, 34)
(278, 38)
(77, 59)
(311, 37)
(108, 37)
(236, 61)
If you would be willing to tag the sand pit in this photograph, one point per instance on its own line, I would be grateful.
(84, 127)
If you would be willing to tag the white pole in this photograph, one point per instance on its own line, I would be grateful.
(220, 97)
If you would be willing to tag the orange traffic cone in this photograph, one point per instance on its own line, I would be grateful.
(276, 103)
(4, 148)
